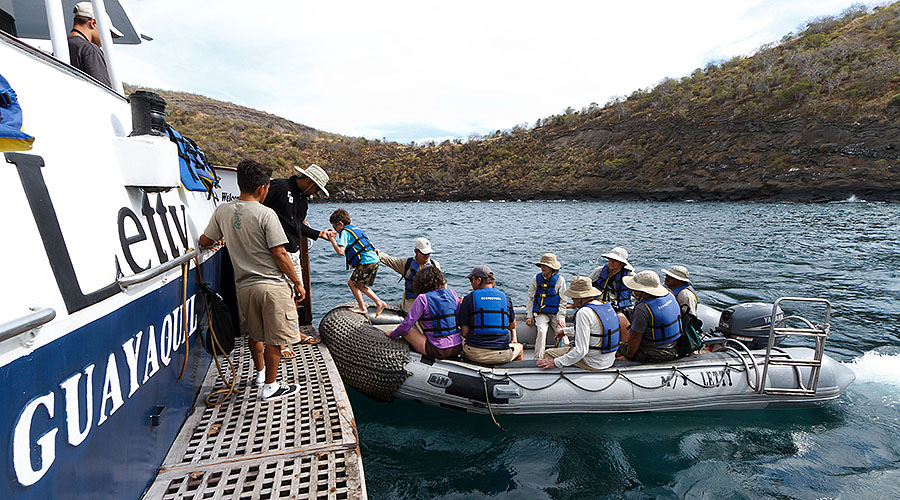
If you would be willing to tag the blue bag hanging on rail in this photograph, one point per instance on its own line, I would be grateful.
(11, 136)
(196, 173)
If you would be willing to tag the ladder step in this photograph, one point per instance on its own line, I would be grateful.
(800, 331)
(795, 362)
(790, 392)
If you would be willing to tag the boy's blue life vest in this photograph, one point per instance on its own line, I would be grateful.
(196, 173)
(665, 319)
(678, 290)
(412, 267)
(489, 320)
(439, 319)
(609, 325)
(360, 244)
(11, 136)
(546, 300)
(614, 290)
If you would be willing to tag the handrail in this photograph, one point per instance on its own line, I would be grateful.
(774, 330)
(25, 323)
(149, 274)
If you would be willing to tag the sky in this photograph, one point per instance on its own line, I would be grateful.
(421, 70)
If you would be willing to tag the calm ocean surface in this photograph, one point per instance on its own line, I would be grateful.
(736, 252)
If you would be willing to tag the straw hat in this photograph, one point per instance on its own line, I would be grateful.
(647, 282)
(678, 272)
(549, 260)
(581, 287)
(317, 175)
(619, 254)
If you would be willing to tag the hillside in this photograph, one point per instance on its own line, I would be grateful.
(815, 117)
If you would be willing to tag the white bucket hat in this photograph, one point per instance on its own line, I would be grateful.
(678, 272)
(86, 9)
(619, 254)
(549, 260)
(424, 246)
(647, 282)
(317, 175)
(581, 287)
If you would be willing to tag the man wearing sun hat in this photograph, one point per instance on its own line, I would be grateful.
(597, 330)
(678, 280)
(608, 279)
(408, 267)
(84, 43)
(545, 303)
(656, 324)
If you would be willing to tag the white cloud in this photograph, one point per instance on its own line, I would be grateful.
(409, 70)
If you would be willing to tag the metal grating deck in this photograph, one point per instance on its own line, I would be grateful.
(305, 446)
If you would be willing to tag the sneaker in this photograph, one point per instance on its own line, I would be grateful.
(260, 378)
(283, 390)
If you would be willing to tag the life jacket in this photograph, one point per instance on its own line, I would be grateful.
(546, 300)
(11, 136)
(609, 326)
(676, 291)
(360, 244)
(196, 172)
(665, 319)
(489, 320)
(440, 317)
(613, 288)
(409, 273)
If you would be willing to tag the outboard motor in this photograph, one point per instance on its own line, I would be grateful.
(749, 323)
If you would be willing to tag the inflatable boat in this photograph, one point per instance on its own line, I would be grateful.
(742, 366)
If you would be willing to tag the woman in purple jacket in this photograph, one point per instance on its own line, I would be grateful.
(435, 311)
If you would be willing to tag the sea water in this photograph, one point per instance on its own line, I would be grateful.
(848, 253)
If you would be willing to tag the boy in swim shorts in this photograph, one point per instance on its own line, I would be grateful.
(354, 245)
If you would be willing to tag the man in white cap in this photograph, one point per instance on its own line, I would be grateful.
(597, 331)
(608, 279)
(545, 304)
(678, 281)
(656, 324)
(487, 322)
(408, 267)
(84, 43)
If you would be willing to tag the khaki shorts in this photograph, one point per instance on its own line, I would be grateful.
(558, 352)
(269, 313)
(490, 356)
(364, 274)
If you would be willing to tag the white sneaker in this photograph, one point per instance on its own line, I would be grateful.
(260, 378)
(283, 390)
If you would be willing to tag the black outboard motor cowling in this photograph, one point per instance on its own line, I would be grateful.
(749, 323)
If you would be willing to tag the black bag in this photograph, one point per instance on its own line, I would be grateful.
(220, 318)
(691, 330)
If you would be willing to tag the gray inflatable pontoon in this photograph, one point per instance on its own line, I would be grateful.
(733, 378)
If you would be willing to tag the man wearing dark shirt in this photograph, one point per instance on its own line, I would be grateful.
(84, 43)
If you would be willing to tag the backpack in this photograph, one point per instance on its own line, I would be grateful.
(220, 318)
(691, 330)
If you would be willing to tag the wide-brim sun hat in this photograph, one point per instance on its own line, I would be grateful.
(678, 272)
(317, 175)
(618, 254)
(581, 287)
(549, 260)
(647, 282)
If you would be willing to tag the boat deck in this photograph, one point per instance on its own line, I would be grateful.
(304, 446)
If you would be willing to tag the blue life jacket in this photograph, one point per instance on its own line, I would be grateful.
(609, 324)
(678, 290)
(11, 136)
(196, 172)
(360, 244)
(613, 289)
(440, 315)
(665, 320)
(546, 300)
(412, 267)
(489, 320)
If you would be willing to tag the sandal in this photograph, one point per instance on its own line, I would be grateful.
(308, 339)
(287, 352)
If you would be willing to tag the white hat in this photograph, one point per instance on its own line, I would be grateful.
(619, 254)
(317, 175)
(647, 282)
(86, 9)
(581, 287)
(678, 272)
(549, 260)
(423, 245)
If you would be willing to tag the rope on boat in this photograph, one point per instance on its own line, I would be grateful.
(487, 399)
(185, 268)
(366, 358)
(217, 348)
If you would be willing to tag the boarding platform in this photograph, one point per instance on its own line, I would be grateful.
(303, 446)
